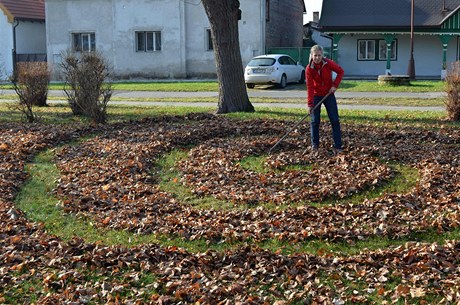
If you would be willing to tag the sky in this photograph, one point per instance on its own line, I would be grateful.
(312, 6)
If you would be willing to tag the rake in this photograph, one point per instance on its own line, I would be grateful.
(298, 123)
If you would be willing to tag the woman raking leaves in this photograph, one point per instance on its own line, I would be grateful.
(320, 82)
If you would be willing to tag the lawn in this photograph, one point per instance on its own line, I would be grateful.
(196, 86)
(176, 205)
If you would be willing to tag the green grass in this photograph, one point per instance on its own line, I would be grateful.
(390, 101)
(61, 114)
(37, 201)
(376, 118)
(195, 86)
(168, 86)
(28, 292)
(39, 204)
(405, 178)
(370, 86)
(257, 164)
(170, 181)
(322, 247)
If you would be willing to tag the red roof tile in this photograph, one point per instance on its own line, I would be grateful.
(23, 9)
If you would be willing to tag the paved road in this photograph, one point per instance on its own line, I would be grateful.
(268, 93)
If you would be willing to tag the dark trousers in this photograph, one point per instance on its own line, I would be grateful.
(333, 113)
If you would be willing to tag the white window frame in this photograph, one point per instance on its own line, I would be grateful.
(147, 41)
(84, 41)
(376, 54)
(368, 54)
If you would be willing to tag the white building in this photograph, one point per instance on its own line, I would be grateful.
(164, 38)
(22, 33)
(373, 37)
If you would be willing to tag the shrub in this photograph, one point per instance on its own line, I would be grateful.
(30, 81)
(453, 90)
(87, 90)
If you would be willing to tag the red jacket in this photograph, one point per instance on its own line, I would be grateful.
(319, 81)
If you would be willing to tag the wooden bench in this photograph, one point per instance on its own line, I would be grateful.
(394, 80)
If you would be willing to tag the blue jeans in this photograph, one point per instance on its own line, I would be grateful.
(333, 113)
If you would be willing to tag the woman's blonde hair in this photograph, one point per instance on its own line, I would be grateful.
(315, 48)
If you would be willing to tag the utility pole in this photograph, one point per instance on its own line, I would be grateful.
(411, 67)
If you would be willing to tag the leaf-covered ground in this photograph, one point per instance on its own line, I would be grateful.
(111, 179)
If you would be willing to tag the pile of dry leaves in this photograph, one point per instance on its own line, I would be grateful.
(109, 178)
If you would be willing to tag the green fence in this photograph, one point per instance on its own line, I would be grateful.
(299, 54)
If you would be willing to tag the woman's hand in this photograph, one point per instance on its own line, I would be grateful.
(332, 90)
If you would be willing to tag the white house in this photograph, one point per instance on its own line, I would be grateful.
(22, 33)
(373, 37)
(164, 38)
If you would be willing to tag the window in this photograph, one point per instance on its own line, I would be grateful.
(367, 49)
(148, 41)
(316, 17)
(383, 50)
(209, 45)
(284, 60)
(84, 42)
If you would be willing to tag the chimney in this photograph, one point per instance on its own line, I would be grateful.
(316, 17)
(444, 9)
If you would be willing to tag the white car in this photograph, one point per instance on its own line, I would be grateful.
(279, 69)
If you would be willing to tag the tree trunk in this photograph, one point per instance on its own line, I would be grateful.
(223, 17)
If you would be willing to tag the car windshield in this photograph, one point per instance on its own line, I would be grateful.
(261, 62)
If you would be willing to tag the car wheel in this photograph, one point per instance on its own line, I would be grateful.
(250, 86)
(302, 78)
(283, 81)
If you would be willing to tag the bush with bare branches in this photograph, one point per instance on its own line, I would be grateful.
(453, 90)
(86, 86)
(30, 82)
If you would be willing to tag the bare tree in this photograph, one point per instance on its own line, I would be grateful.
(452, 100)
(223, 17)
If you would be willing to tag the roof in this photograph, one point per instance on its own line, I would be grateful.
(339, 14)
(23, 9)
